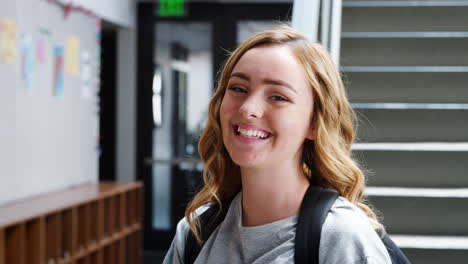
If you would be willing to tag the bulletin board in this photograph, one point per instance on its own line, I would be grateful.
(49, 108)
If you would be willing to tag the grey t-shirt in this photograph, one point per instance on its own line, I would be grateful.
(347, 238)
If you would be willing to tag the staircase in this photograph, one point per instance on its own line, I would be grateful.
(406, 68)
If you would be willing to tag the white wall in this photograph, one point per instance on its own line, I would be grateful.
(7, 113)
(47, 142)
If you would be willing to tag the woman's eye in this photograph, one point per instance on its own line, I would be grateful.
(237, 89)
(279, 98)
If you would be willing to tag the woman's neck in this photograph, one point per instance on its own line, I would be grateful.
(271, 194)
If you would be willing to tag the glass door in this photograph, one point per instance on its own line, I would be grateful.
(184, 85)
(178, 59)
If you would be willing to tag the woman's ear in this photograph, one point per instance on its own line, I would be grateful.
(312, 133)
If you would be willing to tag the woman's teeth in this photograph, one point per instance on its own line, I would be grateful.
(252, 133)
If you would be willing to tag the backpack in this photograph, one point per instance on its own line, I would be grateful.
(314, 209)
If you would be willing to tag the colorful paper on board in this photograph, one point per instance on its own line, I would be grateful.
(42, 46)
(58, 71)
(72, 56)
(27, 61)
(41, 50)
(8, 41)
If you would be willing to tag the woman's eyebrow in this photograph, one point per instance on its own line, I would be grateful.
(279, 83)
(240, 75)
(267, 80)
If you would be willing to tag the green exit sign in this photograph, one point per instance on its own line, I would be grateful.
(171, 8)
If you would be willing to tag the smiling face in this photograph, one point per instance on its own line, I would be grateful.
(266, 110)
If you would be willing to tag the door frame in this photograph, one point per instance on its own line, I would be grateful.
(224, 19)
(107, 104)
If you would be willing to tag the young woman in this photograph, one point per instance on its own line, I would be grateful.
(278, 122)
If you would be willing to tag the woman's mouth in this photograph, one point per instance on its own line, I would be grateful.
(251, 133)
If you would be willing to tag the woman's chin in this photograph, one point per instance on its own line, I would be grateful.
(248, 162)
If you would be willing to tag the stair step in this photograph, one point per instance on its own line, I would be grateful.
(412, 125)
(406, 75)
(404, 51)
(433, 249)
(417, 106)
(422, 146)
(429, 164)
(422, 87)
(401, 3)
(431, 242)
(436, 256)
(404, 18)
(434, 69)
(418, 192)
(423, 215)
(461, 34)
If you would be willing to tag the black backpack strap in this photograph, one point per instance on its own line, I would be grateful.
(397, 256)
(314, 209)
(209, 221)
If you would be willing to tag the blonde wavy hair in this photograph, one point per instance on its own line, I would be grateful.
(327, 160)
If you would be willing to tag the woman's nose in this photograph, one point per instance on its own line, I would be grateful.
(251, 108)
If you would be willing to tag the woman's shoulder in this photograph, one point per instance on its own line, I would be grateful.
(347, 234)
(345, 214)
(183, 226)
(346, 221)
(175, 252)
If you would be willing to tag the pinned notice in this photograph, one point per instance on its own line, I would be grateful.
(72, 56)
(42, 46)
(58, 71)
(8, 40)
(86, 76)
(27, 61)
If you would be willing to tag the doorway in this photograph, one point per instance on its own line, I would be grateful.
(178, 61)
